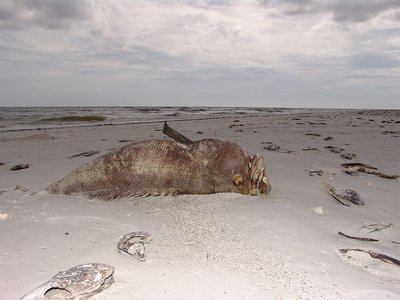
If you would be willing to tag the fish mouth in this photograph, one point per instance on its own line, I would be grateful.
(259, 181)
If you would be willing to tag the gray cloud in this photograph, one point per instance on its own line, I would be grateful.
(341, 10)
(373, 61)
(50, 14)
(203, 52)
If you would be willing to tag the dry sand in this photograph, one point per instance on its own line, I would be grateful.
(221, 246)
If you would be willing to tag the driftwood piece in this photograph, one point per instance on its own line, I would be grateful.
(353, 168)
(175, 135)
(357, 237)
(134, 244)
(377, 226)
(373, 254)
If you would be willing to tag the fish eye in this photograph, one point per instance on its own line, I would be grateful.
(237, 179)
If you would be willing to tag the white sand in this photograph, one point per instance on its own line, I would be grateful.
(222, 246)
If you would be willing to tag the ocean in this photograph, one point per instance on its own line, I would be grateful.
(28, 118)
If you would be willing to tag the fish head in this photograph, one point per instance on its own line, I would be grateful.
(256, 181)
(259, 181)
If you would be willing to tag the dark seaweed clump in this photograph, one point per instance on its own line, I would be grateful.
(93, 118)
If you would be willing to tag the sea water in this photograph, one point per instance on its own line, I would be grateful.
(26, 118)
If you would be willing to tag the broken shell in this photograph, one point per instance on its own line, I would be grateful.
(80, 282)
(134, 243)
(22, 188)
(344, 197)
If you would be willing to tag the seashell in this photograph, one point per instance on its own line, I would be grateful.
(345, 196)
(134, 244)
(77, 283)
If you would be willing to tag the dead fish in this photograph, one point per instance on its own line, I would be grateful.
(344, 197)
(160, 167)
(80, 282)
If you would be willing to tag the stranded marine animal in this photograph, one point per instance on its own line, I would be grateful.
(159, 167)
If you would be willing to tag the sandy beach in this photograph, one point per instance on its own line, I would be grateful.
(219, 246)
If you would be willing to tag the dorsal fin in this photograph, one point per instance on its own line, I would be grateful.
(175, 135)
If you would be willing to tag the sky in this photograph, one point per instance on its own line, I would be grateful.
(264, 53)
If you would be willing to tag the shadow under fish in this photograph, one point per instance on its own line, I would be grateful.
(165, 167)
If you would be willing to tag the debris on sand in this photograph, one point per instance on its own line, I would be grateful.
(125, 141)
(354, 168)
(311, 149)
(344, 197)
(315, 172)
(334, 149)
(134, 244)
(357, 237)
(86, 154)
(20, 167)
(22, 188)
(273, 147)
(348, 156)
(387, 132)
(377, 226)
(80, 282)
(383, 257)
(328, 138)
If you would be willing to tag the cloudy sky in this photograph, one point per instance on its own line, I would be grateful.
(286, 53)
